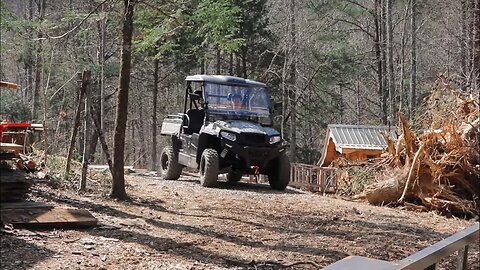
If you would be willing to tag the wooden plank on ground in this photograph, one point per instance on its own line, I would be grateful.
(24, 205)
(56, 217)
(11, 147)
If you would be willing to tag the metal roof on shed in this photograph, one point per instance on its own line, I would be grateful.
(358, 136)
(222, 79)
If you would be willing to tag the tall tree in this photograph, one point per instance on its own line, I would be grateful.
(292, 92)
(154, 114)
(413, 55)
(383, 46)
(379, 52)
(476, 45)
(39, 63)
(118, 181)
(391, 81)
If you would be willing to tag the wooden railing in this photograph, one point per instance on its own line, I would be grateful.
(426, 259)
(313, 177)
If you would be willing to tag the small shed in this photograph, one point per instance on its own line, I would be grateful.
(356, 143)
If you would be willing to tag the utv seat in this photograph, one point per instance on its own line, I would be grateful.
(195, 121)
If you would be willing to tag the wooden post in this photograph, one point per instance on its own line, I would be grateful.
(84, 79)
(101, 136)
(86, 152)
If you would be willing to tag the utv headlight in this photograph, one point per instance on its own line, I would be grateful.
(228, 135)
(275, 139)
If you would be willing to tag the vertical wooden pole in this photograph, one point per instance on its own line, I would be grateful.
(84, 80)
(86, 152)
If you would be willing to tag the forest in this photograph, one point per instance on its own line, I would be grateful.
(95, 79)
(325, 62)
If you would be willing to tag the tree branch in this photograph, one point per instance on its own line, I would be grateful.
(358, 26)
(74, 28)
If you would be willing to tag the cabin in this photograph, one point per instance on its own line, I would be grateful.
(356, 143)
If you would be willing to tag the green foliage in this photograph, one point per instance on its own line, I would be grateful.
(259, 40)
(219, 23)
(12, 106)
(7, 19)
(183, 32)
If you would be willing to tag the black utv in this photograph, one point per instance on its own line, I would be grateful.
(225, 127)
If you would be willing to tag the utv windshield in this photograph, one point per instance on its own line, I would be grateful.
(238, 102)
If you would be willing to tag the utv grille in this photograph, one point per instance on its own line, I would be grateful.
(255, 139)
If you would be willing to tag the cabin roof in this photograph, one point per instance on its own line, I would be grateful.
(361, 137)
(358, 136)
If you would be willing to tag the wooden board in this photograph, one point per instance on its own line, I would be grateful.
(11, 147)
(57, 217)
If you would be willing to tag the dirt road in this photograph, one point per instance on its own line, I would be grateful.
(180, 225)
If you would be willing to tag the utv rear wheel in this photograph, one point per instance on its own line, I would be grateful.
(209, 164)
(278, 172)
(233, 177)
(169, 167)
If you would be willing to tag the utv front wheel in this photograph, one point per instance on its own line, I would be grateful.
(209, 166)
(233, 177)
(278, 172)
(169, 167)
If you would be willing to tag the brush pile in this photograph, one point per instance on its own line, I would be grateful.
(438, 169)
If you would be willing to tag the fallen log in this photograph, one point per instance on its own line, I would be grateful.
(386, 191)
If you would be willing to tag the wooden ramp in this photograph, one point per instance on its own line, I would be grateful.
(39, 215)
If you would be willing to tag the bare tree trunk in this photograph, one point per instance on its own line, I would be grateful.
(383, 50)
(244, 62)
(401, 90)
(284, 95)
(94, 114)
(39, 63)
(293, 83)
(413, 73)
(470, 40)
(29, 63)
(86, 152)
(476, 46)
(118, 181)
(378, 51)
(391, 78)
(463, 44)
(143, 147)
(154, 115)
(202, 67)
(94, 138)
(238, 70)
(133, 142)
(85, 80)
(230, 65)
(101, 60)
(218, 62)
(45, 109)
(358, 102)
(341, 107)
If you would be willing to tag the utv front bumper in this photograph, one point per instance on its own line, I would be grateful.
(254, 155)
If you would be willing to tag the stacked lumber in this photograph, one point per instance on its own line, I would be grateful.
(438, 169)
(14, 185)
